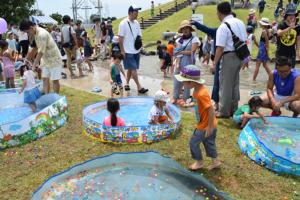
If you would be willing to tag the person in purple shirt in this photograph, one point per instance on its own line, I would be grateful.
(283, 88)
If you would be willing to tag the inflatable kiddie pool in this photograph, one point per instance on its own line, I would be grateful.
(19, 125)
(128, 176)
(276, 146)
(134, 111)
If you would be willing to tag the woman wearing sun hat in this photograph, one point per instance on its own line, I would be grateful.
(251, 20)
(263, 48)
(206, 129)
(185, 50)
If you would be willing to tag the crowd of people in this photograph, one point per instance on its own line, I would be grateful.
(178, 58)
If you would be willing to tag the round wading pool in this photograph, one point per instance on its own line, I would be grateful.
(276, 146)
(135, 113)
(19, 125)
(128, 176)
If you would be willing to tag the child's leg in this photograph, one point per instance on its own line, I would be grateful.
(121, 90)
(211, 149)
(244, 121)
(32, 106)
(7, 85)
(195, 141)
(12, 82)
(87, 60)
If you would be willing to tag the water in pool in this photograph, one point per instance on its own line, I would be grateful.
(282, 137)
(12, 108)
(133, 114)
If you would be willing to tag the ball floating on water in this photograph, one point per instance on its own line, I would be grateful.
(285, 141)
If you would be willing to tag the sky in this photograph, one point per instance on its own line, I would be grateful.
(112, 8)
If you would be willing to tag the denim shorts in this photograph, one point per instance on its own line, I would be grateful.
(30, 96)
(131, 61)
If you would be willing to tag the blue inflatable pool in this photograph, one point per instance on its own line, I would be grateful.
(128, 176)
(276, 146)
(19, 125)
(134, 110)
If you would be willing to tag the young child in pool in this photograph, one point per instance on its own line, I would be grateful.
(248, 111)
(113, 106)
(31, 91)
(159, 113)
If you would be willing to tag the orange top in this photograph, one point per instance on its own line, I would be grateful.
(170, 49)
(203, 102)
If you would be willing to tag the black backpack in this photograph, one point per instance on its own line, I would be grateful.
(241, 48)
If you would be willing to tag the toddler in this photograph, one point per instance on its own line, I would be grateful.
(159, 113)
(31, 91)
(248, 111)
(7, 57)
(103, 50)
(113, 106)
(115, 76)
(166, 60)
(88, 50)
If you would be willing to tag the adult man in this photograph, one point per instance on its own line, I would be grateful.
(70, 45)
(129, 30)
(287, 88)
(48, 55)
(288, 35)
(230, 64)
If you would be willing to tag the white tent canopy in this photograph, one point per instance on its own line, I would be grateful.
(42, 20)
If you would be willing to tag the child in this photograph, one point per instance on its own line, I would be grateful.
(250, 40)
(206, 50)
(115, 77)
(159, 113)
(103, 50)
(263, 49)
(12, 43)
(206, 129)
(166, 60)
(115, 47)
(113, 106)
(8, 64)
(200, 53)
(170, 50)
(88, 50)
(31, 91)
(248, 111)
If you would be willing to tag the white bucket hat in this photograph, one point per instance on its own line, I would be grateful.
(161, 95)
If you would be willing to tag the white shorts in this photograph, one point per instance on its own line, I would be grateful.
(279, 98)
(52, 73)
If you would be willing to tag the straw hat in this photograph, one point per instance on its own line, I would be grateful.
(264, 21)
(190, 73)
(185, 23)
(251, 11)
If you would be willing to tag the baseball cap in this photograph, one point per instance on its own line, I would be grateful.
(133, 8)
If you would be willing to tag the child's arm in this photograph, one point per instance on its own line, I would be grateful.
(168, 114)
(110, 75)
(23, 85)
(263, 118)
(211, 119)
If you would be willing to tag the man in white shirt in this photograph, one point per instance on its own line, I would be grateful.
(48, 55)
(70, 45)
(129, 29)
(230, 64)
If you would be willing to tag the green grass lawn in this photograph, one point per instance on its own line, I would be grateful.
(25, 168)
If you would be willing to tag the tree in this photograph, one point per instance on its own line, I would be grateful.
(38, 13)
(57, 17)
(13, 11)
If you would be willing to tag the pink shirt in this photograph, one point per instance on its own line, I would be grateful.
(107, 121)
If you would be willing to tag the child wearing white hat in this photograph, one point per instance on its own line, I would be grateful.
(159, 113)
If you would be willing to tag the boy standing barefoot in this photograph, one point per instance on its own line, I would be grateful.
(206, 129)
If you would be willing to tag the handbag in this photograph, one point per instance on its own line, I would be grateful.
(138, 43)
(240, 47)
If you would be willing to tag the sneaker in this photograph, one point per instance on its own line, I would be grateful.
(143, 91)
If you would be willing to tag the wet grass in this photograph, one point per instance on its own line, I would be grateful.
(25, 168)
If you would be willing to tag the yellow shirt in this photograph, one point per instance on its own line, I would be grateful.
(203, 102)
(51, 55)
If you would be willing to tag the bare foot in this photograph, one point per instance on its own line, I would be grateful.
(216, 164)
(196, 166)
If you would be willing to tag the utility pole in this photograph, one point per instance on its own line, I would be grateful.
(99, 7)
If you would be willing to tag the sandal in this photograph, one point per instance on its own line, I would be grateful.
(143, 91)
(126, 87)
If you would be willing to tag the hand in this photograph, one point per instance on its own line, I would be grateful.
(208, 132)
(212, 68)
(123, 54)
(277, 105)
(192, 22)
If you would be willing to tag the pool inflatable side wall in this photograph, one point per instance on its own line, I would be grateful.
(256, 151)
(35, 126)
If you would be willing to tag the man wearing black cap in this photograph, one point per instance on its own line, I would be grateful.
(129, 32)
(288, 37)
